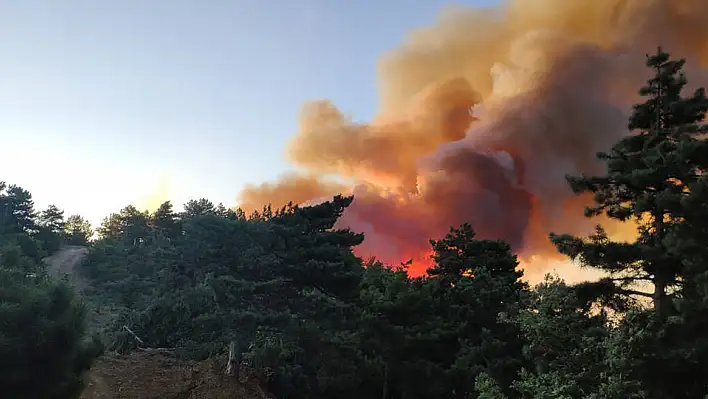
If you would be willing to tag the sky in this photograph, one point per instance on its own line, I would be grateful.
(108, 103)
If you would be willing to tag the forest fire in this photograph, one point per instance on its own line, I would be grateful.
(482, 115)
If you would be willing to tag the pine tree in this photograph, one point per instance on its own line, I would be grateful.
(648, 174)
(77, 230)
(165, 221)
(564, 343)
(53, 219)
(130, 225)
(50, 228)
(478, 293)
(199, 207)
(17, 214)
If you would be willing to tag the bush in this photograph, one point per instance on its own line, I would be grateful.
(43, 349)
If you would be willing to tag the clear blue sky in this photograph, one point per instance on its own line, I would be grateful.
(99, 99)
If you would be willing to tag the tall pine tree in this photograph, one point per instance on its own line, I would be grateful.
(654, 177)
(648, 174)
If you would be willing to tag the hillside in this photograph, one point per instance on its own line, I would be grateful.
(149, 374)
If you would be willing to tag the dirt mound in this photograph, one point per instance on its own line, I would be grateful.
(146, 375)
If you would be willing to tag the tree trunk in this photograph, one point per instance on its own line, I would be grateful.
(660, 278)
(232, 365)
(384, 391)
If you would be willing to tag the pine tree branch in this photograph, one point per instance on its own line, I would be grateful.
(135, 336)
(630, 279)
(625, 291)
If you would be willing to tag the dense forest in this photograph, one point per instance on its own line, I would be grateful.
(282, 290)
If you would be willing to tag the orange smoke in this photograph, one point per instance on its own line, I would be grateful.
(293, 188)
(482, 115)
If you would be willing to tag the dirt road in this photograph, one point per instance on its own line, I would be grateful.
(66, 262)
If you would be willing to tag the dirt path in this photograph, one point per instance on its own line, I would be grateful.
(65, 263)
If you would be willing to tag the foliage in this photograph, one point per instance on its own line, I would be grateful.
(77, 231)
(487, 388)
(44, 350)
(287, 288)
(50, 228)
(564, 343)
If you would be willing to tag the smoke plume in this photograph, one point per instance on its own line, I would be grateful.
(482, 115)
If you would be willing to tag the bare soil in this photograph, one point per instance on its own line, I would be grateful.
(145, 375)
(66, 262)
